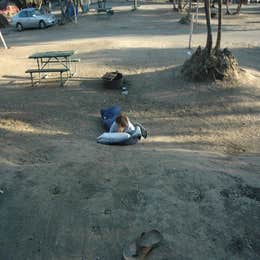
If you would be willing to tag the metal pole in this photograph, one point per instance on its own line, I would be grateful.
(3, 40)
(191, 30)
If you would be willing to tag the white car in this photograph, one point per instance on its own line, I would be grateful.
(32, 18)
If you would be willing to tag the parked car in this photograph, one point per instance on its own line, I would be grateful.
(32, 18)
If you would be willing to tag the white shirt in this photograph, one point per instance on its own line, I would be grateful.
(129, 128)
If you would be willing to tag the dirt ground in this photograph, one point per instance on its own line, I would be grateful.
(195, 178)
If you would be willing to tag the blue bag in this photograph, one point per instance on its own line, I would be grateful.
(108, 116)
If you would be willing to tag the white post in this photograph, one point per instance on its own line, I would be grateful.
(75, 16)
(191, 30)
(3, 40)
(197, 11)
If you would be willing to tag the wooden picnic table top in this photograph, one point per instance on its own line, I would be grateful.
(50, 54)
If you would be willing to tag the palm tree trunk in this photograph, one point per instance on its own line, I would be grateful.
(219, 25)
(209, 31)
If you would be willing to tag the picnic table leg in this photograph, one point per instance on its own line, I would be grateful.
(68, 65)
(38, 64)
(31, 78)
(75, 73)
(61, 83)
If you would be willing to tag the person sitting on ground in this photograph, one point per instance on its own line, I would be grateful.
(122, 124)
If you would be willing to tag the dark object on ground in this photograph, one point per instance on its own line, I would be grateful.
(185, 20)
(55, 190)
(142, 246)
(202, 66)
(108, 11)
(213, 15)
(113, 79)
(3, 21)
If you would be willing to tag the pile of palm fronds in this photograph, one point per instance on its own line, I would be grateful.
(203, 66)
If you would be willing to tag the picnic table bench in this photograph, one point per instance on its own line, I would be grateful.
(62, 59)
(50, 70)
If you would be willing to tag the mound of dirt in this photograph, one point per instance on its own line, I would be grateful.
(3, 21)
(202, 66)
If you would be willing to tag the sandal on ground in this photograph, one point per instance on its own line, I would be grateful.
(142, 246)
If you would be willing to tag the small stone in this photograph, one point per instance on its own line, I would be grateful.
(55, 190)
(107, 211)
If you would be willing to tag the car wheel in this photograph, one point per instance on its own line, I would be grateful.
(19, 27)
(42, 25)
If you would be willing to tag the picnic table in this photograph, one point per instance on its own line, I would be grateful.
(45, 60)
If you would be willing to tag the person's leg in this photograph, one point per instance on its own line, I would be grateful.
(143, 130)
(137, 133)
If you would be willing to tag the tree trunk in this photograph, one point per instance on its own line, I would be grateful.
(81, 6)
(75, 10)
(20, 3)
(219, 25)
(61, 9)
(239, 5)
(227, 8)
(174, 6)
(180, 5)
(189, 9)
(209, 31)
(135, 4)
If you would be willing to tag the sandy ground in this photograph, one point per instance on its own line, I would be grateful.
(195, 178)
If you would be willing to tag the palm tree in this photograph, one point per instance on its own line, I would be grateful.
(207, 64)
